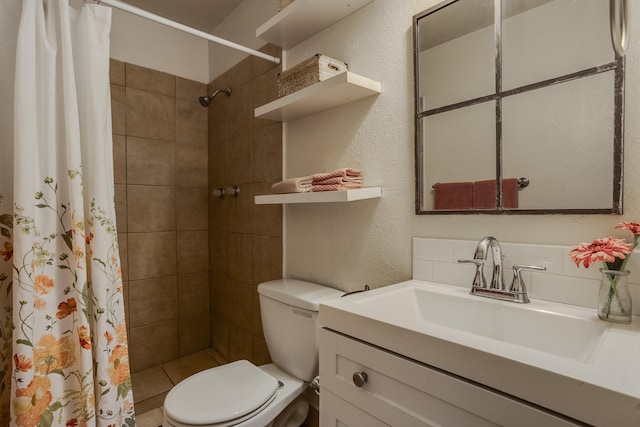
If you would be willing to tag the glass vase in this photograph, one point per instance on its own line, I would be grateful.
(614, 299)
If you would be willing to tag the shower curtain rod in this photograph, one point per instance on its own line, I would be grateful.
(169, 23)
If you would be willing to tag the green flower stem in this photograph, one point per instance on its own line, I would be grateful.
(613, 280)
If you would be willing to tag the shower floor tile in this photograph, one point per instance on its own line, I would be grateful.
(150, 387)
(179, 369)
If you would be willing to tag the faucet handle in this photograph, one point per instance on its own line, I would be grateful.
(478, 281)
(517, 284)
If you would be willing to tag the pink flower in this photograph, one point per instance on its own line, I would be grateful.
(632, 226)
(600, 250)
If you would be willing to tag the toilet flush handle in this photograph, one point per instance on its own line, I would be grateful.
(315, 385)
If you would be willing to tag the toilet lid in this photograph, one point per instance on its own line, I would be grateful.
(220, 394)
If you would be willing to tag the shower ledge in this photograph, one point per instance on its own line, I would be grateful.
(321, 197)
(304, 18)
(335, 91)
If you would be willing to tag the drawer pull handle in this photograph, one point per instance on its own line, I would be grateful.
(359, 378)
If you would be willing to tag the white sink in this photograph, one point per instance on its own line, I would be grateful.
(518, 324)
(519, 349)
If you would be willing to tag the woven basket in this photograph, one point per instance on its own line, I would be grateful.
(310, 71)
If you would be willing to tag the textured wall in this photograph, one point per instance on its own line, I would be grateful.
(160, 160)
(142, 42)
(239, 27)
(245, 239)
(348, 245)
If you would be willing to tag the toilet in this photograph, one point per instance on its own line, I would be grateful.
(242, 394)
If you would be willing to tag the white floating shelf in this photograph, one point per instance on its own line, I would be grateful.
(321, 196)
(304, 18)
(335, 91)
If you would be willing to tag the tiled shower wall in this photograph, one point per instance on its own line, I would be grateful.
(245, 239)
(160, 160)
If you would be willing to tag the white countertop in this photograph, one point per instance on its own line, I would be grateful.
(601, 387)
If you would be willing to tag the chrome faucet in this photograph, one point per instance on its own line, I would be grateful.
(489, 242)
(517, 292)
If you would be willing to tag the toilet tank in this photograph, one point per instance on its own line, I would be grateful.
(289, 310)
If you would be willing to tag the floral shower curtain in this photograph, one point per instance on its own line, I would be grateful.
(63, 341)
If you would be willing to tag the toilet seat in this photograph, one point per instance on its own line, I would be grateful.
(199, 399)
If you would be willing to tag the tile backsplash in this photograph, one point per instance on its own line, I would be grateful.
(437, 260)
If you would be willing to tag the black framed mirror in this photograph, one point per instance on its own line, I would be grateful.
(519, 108)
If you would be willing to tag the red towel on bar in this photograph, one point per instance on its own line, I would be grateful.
(484, 194)
(453, 196)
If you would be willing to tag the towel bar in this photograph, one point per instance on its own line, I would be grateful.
(522, 183)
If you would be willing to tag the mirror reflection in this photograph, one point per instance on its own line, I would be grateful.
(519, 108)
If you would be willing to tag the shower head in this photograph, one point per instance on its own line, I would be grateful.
(206, 100)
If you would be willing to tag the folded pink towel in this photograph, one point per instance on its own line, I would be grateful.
(293, 185)
(336, 187)
(347, 174)
(337, 180)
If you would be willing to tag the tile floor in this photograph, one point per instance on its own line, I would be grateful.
(151, 386)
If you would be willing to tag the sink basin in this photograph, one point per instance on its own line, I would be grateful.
(528, 325)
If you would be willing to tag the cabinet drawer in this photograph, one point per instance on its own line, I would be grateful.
(340, 413)
(402, 392)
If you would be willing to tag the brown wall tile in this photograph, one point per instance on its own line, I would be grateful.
(116, 72)
(189, 89)
(191, 166)
(240, 73)
(218, 253)
(190, 117)
(260, 66)
(118, 110)
(192, 208)
(256, 325)
(193, 294)
(194, 333)
(215, 302)
(239, 210)
(260, 352)
(152, 111)
(233, 299)
(217, 212)
(240, 257)
(245, 240)
(264, 89)
(153, 345)
(267, 153)
(150, 115)
(150, 80)
(150, 162)
(193, 251)
(154, 300)
(220, 335)
(119, 159)
(125, 295)
(217, 166)
(267, 259)
(217, 111)
(240, 111)
(240, 344)
(124, 260)
(152, 255)
(121, 207)
(239, 159)
(266, 220)
(151, 208)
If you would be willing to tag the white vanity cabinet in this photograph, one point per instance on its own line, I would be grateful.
(402, 392)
